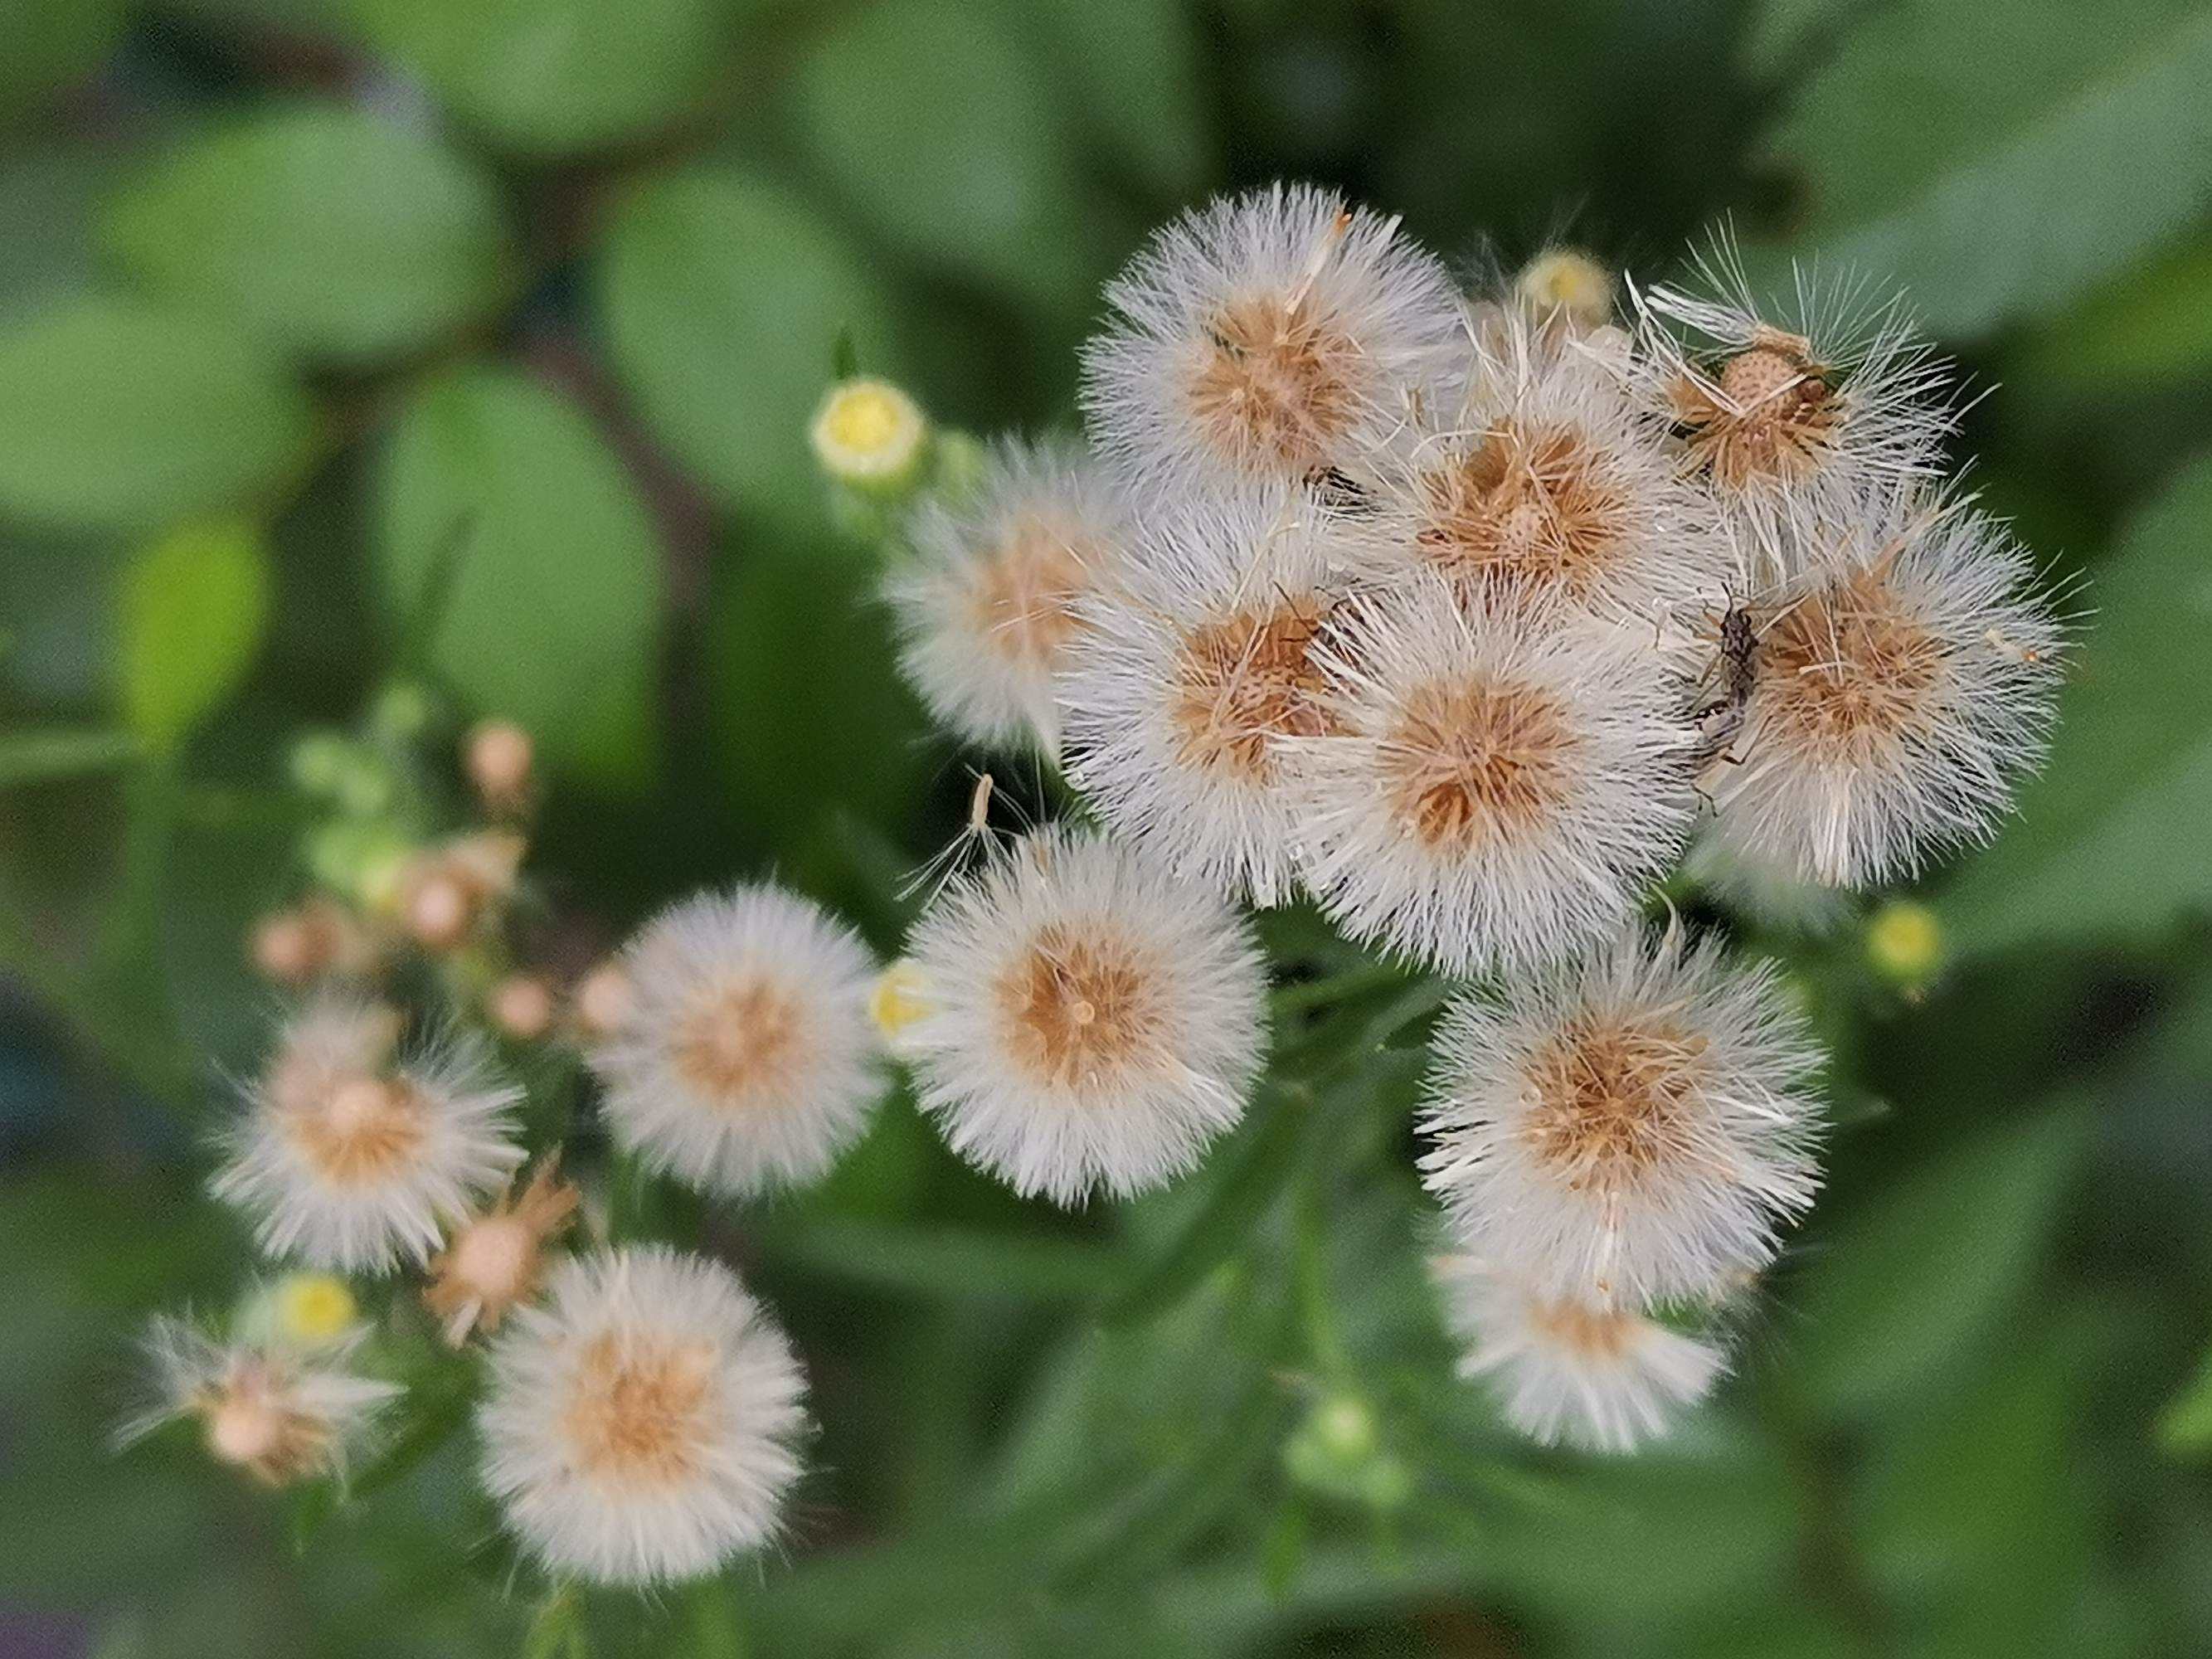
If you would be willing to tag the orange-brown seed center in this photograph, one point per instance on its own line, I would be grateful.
(1078, 1004)
(1473, 763)
(1278, 387)
(1245, 680)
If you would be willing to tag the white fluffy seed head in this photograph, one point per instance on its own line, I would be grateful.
(1567, 1370)
(346, 1160)
(989, 606)
(1627, 1131)
(1190, 670)
(1090, 1022)
(281, 1412)
(1549, 490)
(748, 1060)
(1486, 799)
(1275, 336)
(642, 1420)
(1904, 679)
(1787, 402)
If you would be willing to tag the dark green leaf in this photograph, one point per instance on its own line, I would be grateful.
(35, 756)
(1134, 68)
(2184, 1429)
(941, 1259)
(119, 415)
(723, 298)
(2110, 840)
(553, 615)
(557, 76)
(327, 229)
(51, 43)
(2001, 182)
(945, 134)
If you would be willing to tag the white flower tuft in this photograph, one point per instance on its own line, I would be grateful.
(1090, 1022)
(1626, 1131)
(347, 1161)
(1189, 669)
(280, 1411)
(748, 1060)
(1275, 336)
(1486, 799)
(641, 1422)
(987, 605)
(1901, 682)
(1565, 1370)
(1787, 406)
(1550, 489)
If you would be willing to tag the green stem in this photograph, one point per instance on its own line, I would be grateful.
(1334, 988)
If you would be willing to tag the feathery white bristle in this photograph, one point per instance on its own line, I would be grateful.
(641, 1421)
(1626, 1130)
(1090, 1022)
(749, 1059)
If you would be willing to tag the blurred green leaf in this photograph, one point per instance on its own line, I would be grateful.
(2110, 841)
(51, 43)
(553, 614)
(941, 1259)
(328, 228)
(1933, 1265)
(34, 756)
(945, 133)
(1994, 195)
(2184, 1429)
(190, 616)
(723, 298)
(553, 77)
(796, 625)
(120, 416)
(2151, 328)
(1133, 64)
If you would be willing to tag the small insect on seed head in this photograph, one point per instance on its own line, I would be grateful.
(1602, 1378)
(748, 1060)
(990, 603)
(1626, 1130)
(642, 1420)
(1881, 724)
(1193, 669)
(1091, 1022)
(1274, 337)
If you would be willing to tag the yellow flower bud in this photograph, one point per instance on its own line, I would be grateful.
(313, 1309)
(1905, 943)
(897, 1000)
(869, 434)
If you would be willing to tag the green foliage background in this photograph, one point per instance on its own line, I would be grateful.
(285, 285)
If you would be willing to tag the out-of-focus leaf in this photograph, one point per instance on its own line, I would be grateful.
(941, 1259)
(552, 613)
(327, 229)
(723, 297)
(61, 753)
(2151, 328)
(51, 43)
(1134, 66)
(120, 416)
(552, 77)
(795, 626)
(189, 622)
(2184, 1429)
(1932, 1266)
(2110, 840)
(1783, 34)
(1998, 182)
(945, 133)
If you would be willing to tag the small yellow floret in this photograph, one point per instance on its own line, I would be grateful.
(869, 433)
(898, 1000)
(1904, 942)
(313, 1309)
(1568, 281)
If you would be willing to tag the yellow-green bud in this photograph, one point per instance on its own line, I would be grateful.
(869, 434)
(1567, 282)
(1905, 943)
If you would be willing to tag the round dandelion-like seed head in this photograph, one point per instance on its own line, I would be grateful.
(351, 1159)
(641, 1422)
(747, 1058)
(1599, 1377)
(1091, 1022)
(1247, 679)
(1626, 1130)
